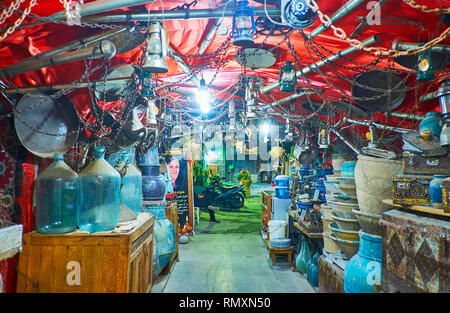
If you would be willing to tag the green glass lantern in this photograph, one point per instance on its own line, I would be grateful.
(147, 84)
(425, 66)
(287, 77)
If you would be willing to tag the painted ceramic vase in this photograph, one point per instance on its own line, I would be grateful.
(436, 190)
(362, 274)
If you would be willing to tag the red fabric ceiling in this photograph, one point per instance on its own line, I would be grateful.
(187, 35)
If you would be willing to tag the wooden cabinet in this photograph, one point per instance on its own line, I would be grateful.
(114, 261)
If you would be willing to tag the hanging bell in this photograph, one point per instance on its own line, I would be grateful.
(156, 49)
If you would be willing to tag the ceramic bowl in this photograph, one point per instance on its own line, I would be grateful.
(330, 187)
(343, 210)
(332, 178)
(329, 245)
(348, 247)
(346, 223)
(345, 199)
(369, 222)
(343, 233)
(348, 190)
(346, 180)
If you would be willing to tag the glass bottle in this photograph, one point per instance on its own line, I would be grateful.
(99, 195)
(131, 184)
(56, 198)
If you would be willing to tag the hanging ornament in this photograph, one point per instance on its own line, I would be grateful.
(288, 77)
(243, 24)
(425, 67)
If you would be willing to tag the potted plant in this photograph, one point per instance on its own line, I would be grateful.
(245, 178)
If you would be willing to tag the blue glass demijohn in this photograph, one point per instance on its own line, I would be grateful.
(436, 190)
(362, 274)
(131, 184)
(99, 195)
(56, 198)
(302, 258)
(164, 235)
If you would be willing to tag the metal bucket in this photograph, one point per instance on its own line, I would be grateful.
(364, 84)
(46, 126)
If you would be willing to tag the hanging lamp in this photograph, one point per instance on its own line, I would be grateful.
(147, 84)
(425, 66)
(288, 77)
(156, 50)
(243, 24)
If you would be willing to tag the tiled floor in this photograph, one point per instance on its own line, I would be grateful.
(229, 263)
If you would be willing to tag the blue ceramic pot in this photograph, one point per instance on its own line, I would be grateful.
(433, 122)
(348, 169)
(436, 190)
(153, 186)
(362, 273)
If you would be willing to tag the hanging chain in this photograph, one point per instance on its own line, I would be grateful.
(19, 21)
(426, 9)
(341, 34)
(9, 11)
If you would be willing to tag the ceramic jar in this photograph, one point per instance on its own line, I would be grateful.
(436, 190)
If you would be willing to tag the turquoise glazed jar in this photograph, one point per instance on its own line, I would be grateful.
(164, 236)
(56, 198)
(436, 190)
(363, 271)
(99, 195)
(433, 122)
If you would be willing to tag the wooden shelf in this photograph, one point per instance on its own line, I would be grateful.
(420, 208)
(304, 228)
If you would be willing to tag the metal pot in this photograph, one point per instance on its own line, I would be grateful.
(364, 84)
(46, 126)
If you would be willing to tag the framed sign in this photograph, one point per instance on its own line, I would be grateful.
(180, 172)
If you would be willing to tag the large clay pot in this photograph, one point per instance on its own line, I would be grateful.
(373, 178)
(362, 273)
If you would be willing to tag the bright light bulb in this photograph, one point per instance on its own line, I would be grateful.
(265, 128)
(205, 107)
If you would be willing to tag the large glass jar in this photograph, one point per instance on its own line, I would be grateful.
(99, 195)
(56, 198)
(131, 181)
(164, 235)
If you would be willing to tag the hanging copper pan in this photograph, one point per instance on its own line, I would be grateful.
(378, 100)
(46, 126)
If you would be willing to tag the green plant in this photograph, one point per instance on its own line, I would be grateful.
(244, 175)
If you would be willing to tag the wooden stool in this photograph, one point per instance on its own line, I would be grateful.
(274, 251)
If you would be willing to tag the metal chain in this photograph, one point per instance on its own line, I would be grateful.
(426, 9)
(19, 21)
(9, 11)
(341, 34)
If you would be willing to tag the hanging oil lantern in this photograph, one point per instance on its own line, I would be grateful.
(425, 67)
(147, 84)
(288, 77)
(156, 50)
(243, 24)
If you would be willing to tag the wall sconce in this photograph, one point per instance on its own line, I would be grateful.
(243, 24)
(425, 66)
(147, 84)
(156, 50)
(288, 77)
